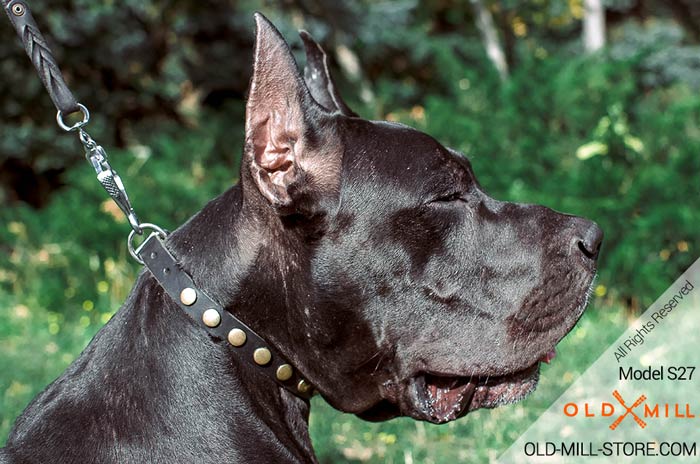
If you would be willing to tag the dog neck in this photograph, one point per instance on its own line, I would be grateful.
(221, 249)
(153, 387)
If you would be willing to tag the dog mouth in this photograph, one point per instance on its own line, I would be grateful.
(442, 398)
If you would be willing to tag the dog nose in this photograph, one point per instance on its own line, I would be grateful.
(589, 237)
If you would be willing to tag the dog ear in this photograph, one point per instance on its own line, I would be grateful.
(280, 120)
(318, 77)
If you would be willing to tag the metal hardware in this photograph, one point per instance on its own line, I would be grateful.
(303, 386)
(18, 9)
(284, 372)
(211, 317)
(188, 296)
(262, 356)
(37, 48)
(130, 241)
(61, 123)
(108, 177)
(236, 337)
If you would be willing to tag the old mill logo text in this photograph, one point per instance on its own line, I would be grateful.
(638, 411)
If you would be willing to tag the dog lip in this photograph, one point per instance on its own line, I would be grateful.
(505, 389)
(441, 398)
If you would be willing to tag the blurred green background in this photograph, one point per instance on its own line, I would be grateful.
(551, 115)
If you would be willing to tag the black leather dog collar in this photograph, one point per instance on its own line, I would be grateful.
(219, 323)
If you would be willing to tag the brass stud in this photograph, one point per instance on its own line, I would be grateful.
(211, 317)
(188, 296)
(303, 386)
(284, 372)
(262, 356)
(236, 337)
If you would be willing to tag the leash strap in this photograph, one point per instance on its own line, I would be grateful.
(219, 323)
(38, 50)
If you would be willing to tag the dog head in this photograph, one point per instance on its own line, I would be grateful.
(404, 288)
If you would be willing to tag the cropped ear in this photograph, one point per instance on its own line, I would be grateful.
(318, 77)
(292, 150)
(277, 113)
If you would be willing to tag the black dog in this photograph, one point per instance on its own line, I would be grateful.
(365, 252)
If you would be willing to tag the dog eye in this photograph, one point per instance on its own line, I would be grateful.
(455, 196)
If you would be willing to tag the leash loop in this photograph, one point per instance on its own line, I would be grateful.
(39, 52)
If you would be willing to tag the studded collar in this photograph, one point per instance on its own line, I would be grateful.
(219, 323)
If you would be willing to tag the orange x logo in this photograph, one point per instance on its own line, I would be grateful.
(628, 410)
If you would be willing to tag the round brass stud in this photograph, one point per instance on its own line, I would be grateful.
(284, 372)
(188, 296)
(303, 386)
(262, 356)
(211, 317)
(236, 337)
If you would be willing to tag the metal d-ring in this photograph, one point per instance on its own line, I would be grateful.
(77, 125)
(130, 240)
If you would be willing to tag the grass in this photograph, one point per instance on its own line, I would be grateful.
(34, 352)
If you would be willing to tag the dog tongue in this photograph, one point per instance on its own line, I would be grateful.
(547, 358)
(449, 396)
